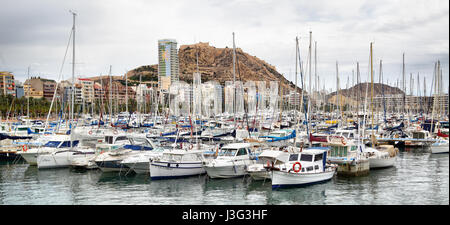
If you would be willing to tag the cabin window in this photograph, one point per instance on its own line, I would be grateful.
(228, 152)
(318, 157)
(121, 138)
(309, 168)
(293, 157)
(316, 167)
(52, 144)
(67, 144)
(241, 151)
(109, 139)
(353, 148)
(306, 157)
(351, 135)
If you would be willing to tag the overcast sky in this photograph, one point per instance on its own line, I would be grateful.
(124, 34)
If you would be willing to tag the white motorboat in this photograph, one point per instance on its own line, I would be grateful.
(176, 164)
(232, 161)
(382, 156)
(266, 160)
(63, 157)
(305, 168)
(140, 161)
(54, 144)
(119, 148)
(440, 146)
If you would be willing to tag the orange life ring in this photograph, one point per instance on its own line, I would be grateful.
(299, 168)
(24, 148)
(90, 132)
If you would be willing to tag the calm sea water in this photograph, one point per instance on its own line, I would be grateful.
(418, 178)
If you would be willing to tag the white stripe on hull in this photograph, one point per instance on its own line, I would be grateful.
(289, 178)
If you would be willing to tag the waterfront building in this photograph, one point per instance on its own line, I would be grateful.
(49, 89)
(87, 89)
(180, 98)
(168, 64)
(7, 84)
(262, 96)
(273, 96)
(229, 97)
(37, 87)
(250, 96)
(142, 93)
(211, 98)
(19, 91)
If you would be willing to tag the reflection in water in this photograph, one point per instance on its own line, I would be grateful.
(418, 177)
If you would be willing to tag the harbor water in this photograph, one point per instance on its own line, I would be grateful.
(418, 178)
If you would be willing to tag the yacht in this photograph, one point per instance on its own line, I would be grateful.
(232, 160)
(176, 164)
(440, 146)
(118, 148)
(54, 143)
(63, 157)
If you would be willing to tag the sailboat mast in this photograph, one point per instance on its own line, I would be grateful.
(234, 82)
(126, 92)
(73, 69)
(28, 98)
(73, 80)
(371, 80)
(110, 95)
(296, 65)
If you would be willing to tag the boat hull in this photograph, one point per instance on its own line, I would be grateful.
(259, 175)
(169, 170)
(351, 168)
(439, 149)
(375, 163)
(282, 179)
(61, 159)
(49, 161)
(138, 167)
(228, 171)
(112, 166)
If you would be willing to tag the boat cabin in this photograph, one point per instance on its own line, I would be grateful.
(181, 156)
(307, 161)
(235, 150)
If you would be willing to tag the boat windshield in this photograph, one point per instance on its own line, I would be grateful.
(227, 152)
(52, 144)
(66, 144)
(139, 141)
(276, 134)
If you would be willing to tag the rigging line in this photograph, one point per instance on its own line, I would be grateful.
(59, 78)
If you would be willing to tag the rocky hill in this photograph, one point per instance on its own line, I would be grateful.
(361, 89)
(216, 64)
